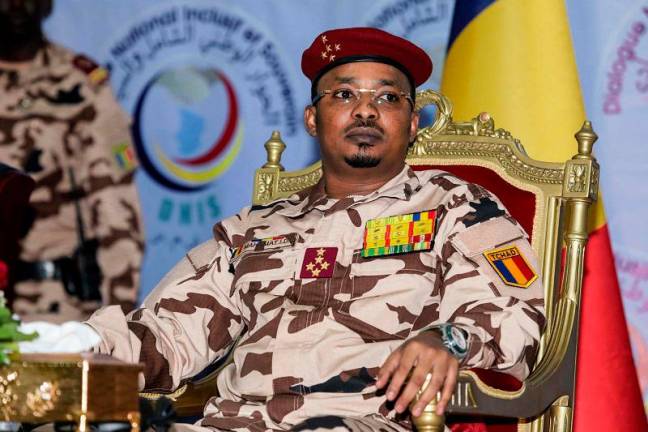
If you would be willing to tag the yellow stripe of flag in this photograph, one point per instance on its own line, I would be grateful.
(516, 61)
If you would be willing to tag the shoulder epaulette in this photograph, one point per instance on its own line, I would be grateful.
(96, 74)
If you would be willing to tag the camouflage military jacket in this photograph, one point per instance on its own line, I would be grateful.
(309, 346)
(57, 116)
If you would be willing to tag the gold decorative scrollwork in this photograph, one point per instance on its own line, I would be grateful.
(594, 185)
(463, 396)
(577, 176)
(443, 110)
(8, 394)
(502, 152)
(264, 185)
(43, 399)
(294, 184)
(482, 125)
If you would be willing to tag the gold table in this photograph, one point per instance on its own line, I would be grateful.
(80, 388)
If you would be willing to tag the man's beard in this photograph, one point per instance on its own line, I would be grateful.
(362, 160)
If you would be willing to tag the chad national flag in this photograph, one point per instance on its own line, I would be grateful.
(514, 58)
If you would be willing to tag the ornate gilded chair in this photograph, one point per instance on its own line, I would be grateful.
(550, 200)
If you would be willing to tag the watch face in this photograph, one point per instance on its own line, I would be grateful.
(459, 338)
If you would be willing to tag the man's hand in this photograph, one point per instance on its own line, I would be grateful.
(426, 354)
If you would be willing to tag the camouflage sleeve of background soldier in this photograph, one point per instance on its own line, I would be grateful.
(191, 319)
(112, 200)
(491, 285)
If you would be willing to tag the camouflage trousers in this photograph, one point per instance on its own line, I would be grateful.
(316, 424)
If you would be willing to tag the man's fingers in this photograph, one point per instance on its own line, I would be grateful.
(414, 384)
(438, 376)
(448, 387)
(404, 366)
(388, 369)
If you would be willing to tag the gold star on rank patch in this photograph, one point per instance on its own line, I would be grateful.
(318, 262)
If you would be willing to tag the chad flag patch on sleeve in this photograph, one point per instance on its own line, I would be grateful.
(511, 266)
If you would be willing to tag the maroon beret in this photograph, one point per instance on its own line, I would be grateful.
(340, 46)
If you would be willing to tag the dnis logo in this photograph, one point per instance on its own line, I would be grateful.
(176, 127)
(191, 75)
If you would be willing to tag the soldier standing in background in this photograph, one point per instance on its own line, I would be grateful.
(60, 123)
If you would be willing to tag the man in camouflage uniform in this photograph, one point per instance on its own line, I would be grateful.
(331, 297)
(60, 123)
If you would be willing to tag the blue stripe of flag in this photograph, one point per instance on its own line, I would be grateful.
(507, 274)
(464, 12)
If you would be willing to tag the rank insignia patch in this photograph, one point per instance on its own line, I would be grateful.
(511, 266)
(399, 234)
(318, 262)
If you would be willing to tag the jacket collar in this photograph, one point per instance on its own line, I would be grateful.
(401, 186)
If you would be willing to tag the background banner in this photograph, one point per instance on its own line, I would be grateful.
(206, 82)
(611, 47)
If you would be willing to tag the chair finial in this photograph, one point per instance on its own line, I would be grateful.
(586, 138)
(274, 148)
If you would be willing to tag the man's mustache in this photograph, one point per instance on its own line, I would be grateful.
(359, 123)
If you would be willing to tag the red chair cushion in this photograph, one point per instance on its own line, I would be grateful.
(520, 203)
(483, 425)
(498, 380)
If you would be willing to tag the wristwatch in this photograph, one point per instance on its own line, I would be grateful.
(454, 338)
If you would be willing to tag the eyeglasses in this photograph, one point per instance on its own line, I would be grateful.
(384, 99)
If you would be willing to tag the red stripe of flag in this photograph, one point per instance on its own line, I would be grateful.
(523, 267)
(364, 246)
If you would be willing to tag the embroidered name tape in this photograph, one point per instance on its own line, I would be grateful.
(264, 244)
(399, 234)
(511, 266)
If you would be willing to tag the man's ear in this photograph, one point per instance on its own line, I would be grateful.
(414, 122)
(310, 120)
